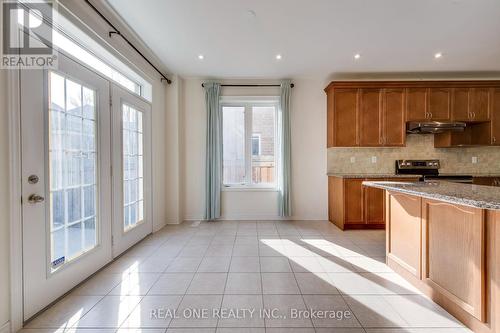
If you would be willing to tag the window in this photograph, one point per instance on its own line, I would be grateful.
(249, 143)
(69, 38)
(133, 161)
(73, 169)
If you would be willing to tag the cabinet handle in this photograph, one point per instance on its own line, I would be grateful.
(430, 115)
(473, 115)
(494, 139)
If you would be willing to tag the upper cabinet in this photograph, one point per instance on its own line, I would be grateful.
(393, 111)
(370, 117)
(344, 115)
(428, 104)
(495, 117)
(416, 104)
(472, 104)
(374, 114)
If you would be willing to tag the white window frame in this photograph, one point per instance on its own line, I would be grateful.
(249, 102)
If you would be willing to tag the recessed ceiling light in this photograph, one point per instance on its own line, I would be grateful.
(438, 55)
(278, 57)
(357, 56)
(201, 56)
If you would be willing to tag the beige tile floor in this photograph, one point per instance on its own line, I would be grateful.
(281, 267)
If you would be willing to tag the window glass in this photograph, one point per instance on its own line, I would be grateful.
(233, 134)
(133, 159)
(263, 130)
(249, 144)
(72, 164)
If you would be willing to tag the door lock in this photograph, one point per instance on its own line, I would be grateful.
(33, 179)
(35, 198)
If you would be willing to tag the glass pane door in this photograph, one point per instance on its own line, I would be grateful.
(73, 169)
(133, 166)
(131, 138)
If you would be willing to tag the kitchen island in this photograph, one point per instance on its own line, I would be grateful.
(445, 239)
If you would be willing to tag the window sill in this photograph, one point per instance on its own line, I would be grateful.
(248, 189)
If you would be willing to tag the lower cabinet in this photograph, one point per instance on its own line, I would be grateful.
(450, 252)
(453, 254)
(354, 206)
(403, 236)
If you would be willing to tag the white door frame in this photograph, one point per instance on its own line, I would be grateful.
(16, 237)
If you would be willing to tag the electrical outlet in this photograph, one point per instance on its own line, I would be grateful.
(374, 159)
(353, 159)
(474, 159)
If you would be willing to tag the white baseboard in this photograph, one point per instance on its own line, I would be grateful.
(5, 328)
(260, 218)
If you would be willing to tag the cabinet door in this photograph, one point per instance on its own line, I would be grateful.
(416, 104)
(439, 104)
(394, 127)
(460, 104)
(353, 201)
(455, 234)
(345, 116)
(374, 204)
(370, 121)
(479, 104)
(403, 231)
(495, 118)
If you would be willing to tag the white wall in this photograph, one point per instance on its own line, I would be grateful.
(4, 204)
(309, 181)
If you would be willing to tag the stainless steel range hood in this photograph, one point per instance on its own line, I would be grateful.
(434, 127)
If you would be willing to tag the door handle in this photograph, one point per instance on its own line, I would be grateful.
(35, 198)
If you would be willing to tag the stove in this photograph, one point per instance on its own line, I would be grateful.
(428, 170)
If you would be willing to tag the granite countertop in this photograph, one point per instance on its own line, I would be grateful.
(370, 175)
(485, 197)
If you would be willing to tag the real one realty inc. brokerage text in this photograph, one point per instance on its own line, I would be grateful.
(244, 313)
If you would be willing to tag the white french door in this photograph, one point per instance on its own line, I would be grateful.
(66, 182)
(132, 202)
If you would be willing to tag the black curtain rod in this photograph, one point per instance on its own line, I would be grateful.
(251, 85)
(116, 31)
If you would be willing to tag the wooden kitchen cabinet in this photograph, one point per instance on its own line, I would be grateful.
(394, 128)
(370, 117)
(453, 249)
(345, 110)
(375, 114)
(460, 104)
(374, 212)
(479, 104)
(404, 221)
(450, 252)
(439, 107)
(354, 206)
(353, 196)
(416, 104)
(495, 117)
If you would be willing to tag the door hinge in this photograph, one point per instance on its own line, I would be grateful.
(112, 241)
(21, 200)
(110, 101)
(111, 171)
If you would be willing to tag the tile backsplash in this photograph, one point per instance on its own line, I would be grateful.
(418, 146)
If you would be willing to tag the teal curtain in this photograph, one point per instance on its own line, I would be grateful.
(213, 152)
(284, 200)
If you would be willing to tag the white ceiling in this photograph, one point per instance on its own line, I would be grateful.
(317, 37)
